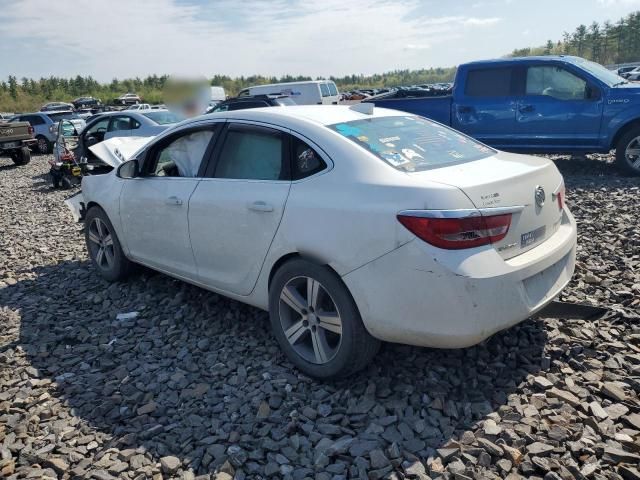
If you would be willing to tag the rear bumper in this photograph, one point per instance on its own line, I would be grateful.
(21, 143)
(421, 295)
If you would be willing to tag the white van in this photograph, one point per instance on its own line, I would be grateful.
(303, 93)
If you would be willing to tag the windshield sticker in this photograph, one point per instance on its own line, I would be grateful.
(363, 138)
(394, 158)
(388, 139)
(348, 130)
(411, 154)
(455, 154)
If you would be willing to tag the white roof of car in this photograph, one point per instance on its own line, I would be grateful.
(319, 114)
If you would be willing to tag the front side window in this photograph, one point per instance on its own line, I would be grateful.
(489, 82)
(324, 89)
(99, 127)
(182, 156)
(555, 82)
(332, 88)
(252, 154)
(412, 143)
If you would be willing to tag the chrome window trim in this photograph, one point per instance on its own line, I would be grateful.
(463, 212)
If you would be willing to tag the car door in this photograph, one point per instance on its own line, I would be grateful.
(235, 211)
(154, 205)
(486, 107)
(119, 126)
(559, 108)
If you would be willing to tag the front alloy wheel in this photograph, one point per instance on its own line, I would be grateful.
(628, 152)
(101, 244)
(104, 247)
(310, 320)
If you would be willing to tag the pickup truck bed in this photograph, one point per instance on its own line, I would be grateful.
(16, 138)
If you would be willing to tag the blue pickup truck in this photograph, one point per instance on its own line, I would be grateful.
(551, 104)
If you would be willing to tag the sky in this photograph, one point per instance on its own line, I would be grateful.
(122, 39)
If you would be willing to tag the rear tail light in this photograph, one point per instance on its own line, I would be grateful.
(52, 128)
(31, 130)
(561, 196)
(458, 233)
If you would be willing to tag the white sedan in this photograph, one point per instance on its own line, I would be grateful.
(348, 225)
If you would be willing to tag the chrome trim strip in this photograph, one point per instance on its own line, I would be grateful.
(463, 212)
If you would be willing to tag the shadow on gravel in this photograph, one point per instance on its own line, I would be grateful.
(9, 166)
(195, 373)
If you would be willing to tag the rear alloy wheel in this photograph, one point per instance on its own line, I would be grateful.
(317, 323)
(44, 146)
(104, 247)
(628, 152)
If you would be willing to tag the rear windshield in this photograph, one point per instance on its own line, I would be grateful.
(162, 118)
(412, 143)
(57, 116)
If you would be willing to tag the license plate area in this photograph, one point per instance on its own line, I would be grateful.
(529, 238)
(10, 145)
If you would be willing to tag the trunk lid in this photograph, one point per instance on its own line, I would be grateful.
(510, 180)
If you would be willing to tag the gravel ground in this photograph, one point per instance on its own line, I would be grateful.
(195, 386)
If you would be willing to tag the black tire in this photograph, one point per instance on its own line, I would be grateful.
(629, 139)
(55, 180)
(22, 157)
(356, 347)
(65, 183)
(120, 267)
(44, 145)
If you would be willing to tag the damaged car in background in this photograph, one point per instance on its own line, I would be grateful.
(309, 211)
(73, 157)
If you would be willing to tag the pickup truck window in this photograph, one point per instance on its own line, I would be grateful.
(489, 82)
(555, 82)
(412, 143)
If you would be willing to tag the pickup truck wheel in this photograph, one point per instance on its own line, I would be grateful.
(104, 247)
(628, 152)
(22, 157)
(44, 145)
(316, 321)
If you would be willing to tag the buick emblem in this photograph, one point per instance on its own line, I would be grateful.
(540, 196)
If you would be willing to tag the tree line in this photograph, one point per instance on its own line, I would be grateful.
(607, 43)
(28, 94)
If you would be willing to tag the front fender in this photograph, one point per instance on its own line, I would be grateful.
(619, 122)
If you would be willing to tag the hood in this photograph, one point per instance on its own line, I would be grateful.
(118, 150)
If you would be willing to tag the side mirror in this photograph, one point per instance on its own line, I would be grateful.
(130, 169)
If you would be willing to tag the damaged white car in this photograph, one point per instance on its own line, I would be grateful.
(348, 225)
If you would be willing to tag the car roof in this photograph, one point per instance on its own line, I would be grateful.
(318, 114)
(539, 58)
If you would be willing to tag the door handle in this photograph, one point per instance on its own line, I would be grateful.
(260, 206)
(173, 200)
(465, 109)
(526, 108)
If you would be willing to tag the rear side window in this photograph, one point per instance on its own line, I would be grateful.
(252, 154)
(35, 120)
(489, 82)
(306, 161)
(412, 143)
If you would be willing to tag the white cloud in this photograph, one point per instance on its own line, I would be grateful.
(120, 38)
